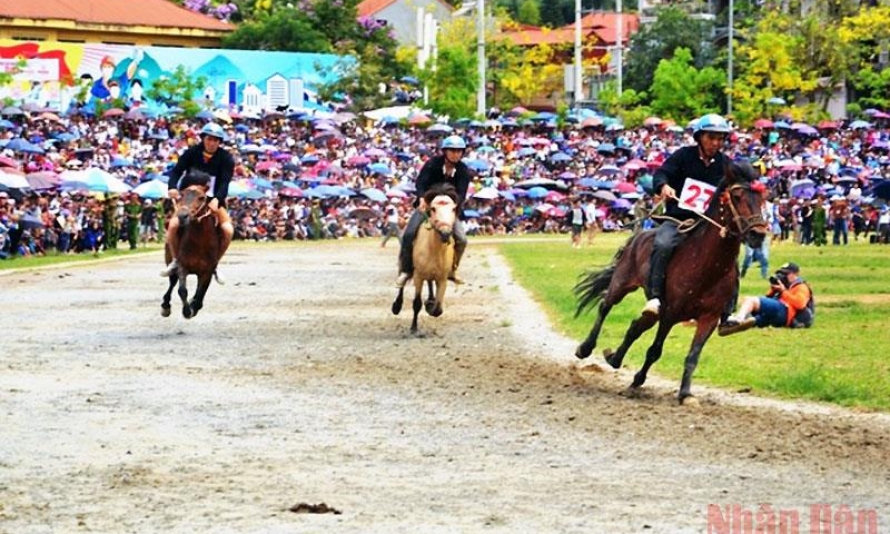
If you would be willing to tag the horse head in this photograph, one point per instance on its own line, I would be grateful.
(193, 204)
(441, 201)
(743, 193)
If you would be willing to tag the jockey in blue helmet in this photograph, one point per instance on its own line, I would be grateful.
(700, 166)
(446, 167)
(208, 158)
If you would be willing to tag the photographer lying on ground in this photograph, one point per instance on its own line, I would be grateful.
(788, 303)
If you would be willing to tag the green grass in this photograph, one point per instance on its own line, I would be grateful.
(842, 359)
(54, 258)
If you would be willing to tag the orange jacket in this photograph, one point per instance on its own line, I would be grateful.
(794, 298)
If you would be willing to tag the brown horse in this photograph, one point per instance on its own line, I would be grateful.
(433, 252)
(702, 275)
(199, 250)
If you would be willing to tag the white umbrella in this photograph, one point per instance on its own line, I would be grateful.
(486, 193)
(151, 189)
(13, 181)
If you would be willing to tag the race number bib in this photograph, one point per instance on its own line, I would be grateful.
(696, 195)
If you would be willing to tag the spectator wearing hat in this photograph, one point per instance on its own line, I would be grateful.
(787, 296)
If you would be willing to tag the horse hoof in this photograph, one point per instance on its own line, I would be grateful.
(436, 312)
(580, 353)
(690, 402)
(396, 307)
(633, 392)
(165, 311)
(187, 312)
(609, 355)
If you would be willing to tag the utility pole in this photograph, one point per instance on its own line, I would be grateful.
(578, 87)
(729, 66)
(620, 35)
(480, 47)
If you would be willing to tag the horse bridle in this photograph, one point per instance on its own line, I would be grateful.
(744, 224)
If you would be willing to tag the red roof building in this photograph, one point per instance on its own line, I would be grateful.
(133, 22)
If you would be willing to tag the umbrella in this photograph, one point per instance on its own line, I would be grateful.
(374, 194)
(471, 214)
(290, 192)
(22, 145)
(380, 168)
(113, 112)
(881, 190)
(478, 165)
(606, 148)
(776, 101)
(103, 181)
(29, 222)
(440, 128)
(797, 186)
(13, 181)
(605, 195)
(43, 180)
(537, 192)
(621, 204)
(858, 125)
(763, 123)
(486, 193)
(374, 153)
(560, 157)
(358, 161)
(153, 189)
(364, 213)
(540, 182)
(10, 111)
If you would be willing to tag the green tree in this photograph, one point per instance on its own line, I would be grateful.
(529, 13)
(681, 92)
(282, 30)
(671, 30)
(868, 35)
(551, 13)
(454, 81)
(179, 89)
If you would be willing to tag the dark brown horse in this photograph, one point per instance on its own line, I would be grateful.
(199, 250)
(433, 252)
(701, 277)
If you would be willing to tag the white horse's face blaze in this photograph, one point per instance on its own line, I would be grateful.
(443, 214)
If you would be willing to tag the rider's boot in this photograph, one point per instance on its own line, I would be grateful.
(657, 268)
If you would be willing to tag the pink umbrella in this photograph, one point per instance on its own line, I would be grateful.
(358, 161)
(266, 165)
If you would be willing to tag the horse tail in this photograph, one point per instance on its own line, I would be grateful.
(593, 284)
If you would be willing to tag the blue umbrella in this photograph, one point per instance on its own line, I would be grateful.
(859, 124)
(6, 124)
(881, 189)
(471, 214)
(380, 168)
(537, 192)
(478, 165)
(153, 189)
(410, 79)
(374, 194)
(22, 145)
(507, 195)
(559, 157)
(440, 128)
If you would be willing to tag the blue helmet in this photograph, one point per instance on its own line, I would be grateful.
(711, 123)
(454, 141)
(215, 130)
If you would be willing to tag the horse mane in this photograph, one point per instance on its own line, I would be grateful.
(441, 188)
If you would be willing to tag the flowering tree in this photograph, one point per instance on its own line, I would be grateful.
(220, 10)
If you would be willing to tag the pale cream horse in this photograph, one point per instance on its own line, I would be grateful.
(433, 252)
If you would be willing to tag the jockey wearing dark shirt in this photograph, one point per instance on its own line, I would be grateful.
(193, 167)
(700, 168)
(445, 168)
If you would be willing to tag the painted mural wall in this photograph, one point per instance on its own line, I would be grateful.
(60, 75)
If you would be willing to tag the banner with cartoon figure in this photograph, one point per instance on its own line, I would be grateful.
(57, 76)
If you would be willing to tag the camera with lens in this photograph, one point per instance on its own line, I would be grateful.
(779, 277)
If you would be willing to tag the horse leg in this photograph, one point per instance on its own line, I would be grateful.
(197, 301)
(417, 304)
(430, 304)
(397, 304)
(634, 331)
(441, 286)
(184, 296)
(652, 355)
(587, 346)
(702, 332)
(165, 304)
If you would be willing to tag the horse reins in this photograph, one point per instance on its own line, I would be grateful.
(744, 224)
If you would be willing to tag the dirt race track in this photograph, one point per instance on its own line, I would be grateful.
(296, 385)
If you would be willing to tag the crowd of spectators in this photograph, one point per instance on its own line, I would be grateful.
(332, 175)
